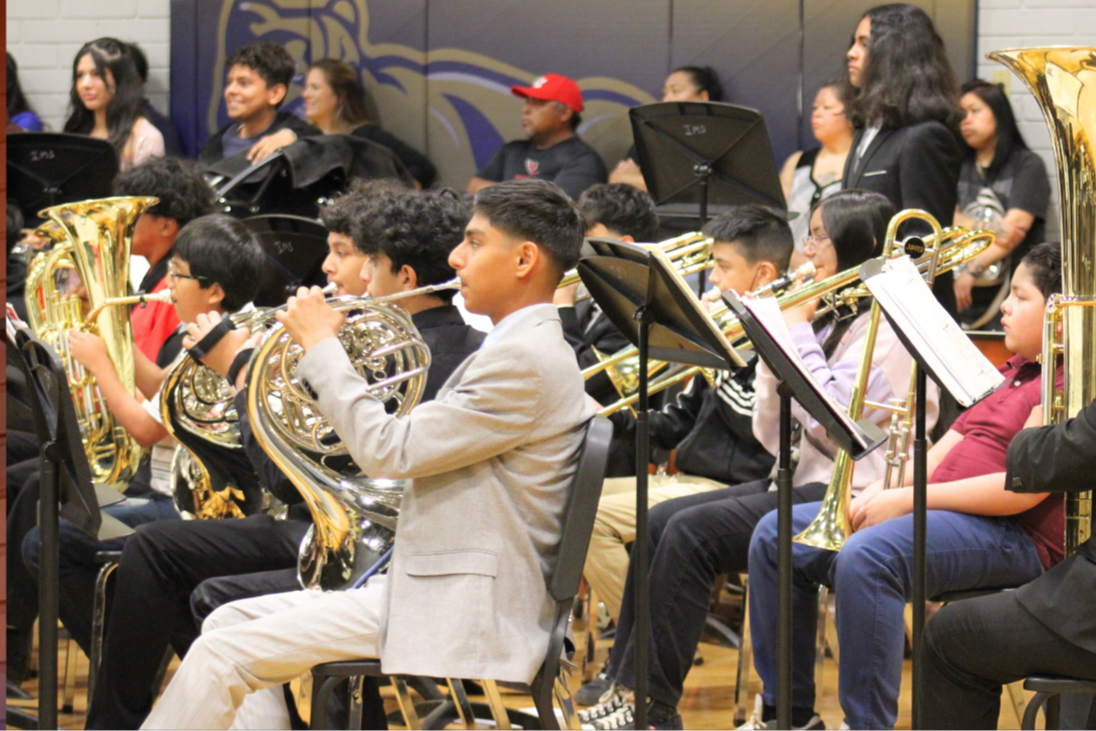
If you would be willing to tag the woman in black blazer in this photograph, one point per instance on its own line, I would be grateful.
(907, 112)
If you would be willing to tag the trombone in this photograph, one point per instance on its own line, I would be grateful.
(831, 528)
(952, 246)
(690, 253)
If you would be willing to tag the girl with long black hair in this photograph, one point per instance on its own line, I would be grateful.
(107, 102)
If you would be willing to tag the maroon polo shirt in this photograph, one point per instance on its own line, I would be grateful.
(987, 428)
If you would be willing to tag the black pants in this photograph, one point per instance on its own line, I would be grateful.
(694, 539)
(212, 593)
(974, 647)
(161, 565)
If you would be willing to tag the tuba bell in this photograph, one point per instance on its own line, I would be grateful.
(1063, 81)
(91, 241)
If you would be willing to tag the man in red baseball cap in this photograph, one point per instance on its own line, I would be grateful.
(553, 150)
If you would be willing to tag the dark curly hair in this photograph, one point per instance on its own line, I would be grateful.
(268, 59)
(1045, 263)
(907, 78)
(221, 250)
(418, 229)
(623, 209)
(343, 211)
(179, 184)
(127, 102)
(537, 211)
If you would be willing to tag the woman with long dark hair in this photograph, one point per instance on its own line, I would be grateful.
(907, 112)
(684, 84)
(697, 537)
(334, 103)
(1002, 185)
(107, 102)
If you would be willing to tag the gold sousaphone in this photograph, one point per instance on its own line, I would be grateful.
(1063, 81)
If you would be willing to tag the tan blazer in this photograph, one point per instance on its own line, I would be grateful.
(491, 459)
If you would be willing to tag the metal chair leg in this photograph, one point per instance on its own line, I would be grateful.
(1032, 709)
(98, 624)
(589, 655)
(321, 694)
(407, 706)
(356, 702)
(72, 653)
(566, 703)
(745, 662)
(460, 698)
(494, 702)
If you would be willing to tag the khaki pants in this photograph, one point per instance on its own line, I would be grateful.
(615, 526)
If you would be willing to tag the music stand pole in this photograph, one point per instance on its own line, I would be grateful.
(640, 552)
(920, 520)
(703, 171)
(784, 562)
(48, 517)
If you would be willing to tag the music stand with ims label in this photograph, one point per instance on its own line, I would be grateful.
(640, 291)
(46, 169)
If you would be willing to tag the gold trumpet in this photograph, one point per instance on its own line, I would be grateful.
(844, 289)
(92, 239)
(1061, 79)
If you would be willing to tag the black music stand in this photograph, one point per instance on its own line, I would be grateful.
(46, 169)
(66, 482)
(295, 249)
(860, 440)
(697, 154)
(641, 293)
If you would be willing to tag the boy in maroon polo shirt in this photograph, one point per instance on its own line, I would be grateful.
(979, 535)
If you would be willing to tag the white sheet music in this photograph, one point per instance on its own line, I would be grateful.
(938, 339)
(768, 314)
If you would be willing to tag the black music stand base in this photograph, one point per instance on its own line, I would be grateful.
(920, 538)
(784, 563)
(640, 555)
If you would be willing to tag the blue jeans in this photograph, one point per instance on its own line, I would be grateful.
(77, 567)
(872, 578)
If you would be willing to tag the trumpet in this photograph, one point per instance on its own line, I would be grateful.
(842, 290)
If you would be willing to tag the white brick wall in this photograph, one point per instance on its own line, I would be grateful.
(44, 36)
(1019, 23)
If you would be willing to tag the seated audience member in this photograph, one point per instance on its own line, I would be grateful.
(19, 112)
(1002, 184)
(173, 144)
(106, 102)
(521, 413)
(1047, 627)
(711, 428)
(162, 565)
(333, 101)
(808, 177)
(215, 268)
(258, 78)
(615, 212)
(553, 150)
(184, 196)
(980, 535)
(698, 537)
(686, 84)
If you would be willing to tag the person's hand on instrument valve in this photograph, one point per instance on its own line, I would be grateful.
(89, 350)
(308, 319)
(221, 355)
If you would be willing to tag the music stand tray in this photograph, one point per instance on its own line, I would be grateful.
(47, 169)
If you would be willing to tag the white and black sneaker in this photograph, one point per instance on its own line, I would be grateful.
(590, 693)
(754, 722)
(612, 706)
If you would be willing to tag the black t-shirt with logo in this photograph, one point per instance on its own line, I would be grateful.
(572, 165)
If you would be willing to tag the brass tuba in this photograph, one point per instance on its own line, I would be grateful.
(1063, 81)
(91, 240)
(354, 515)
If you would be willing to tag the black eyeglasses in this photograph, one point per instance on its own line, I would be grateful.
(171, 272)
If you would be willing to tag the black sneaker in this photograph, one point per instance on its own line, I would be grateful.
(590, 693)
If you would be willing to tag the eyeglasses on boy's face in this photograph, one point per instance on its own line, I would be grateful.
(174, 273)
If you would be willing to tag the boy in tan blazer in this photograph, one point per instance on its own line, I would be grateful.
(491, 459)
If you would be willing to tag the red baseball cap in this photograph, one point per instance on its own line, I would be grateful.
(552, 87)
